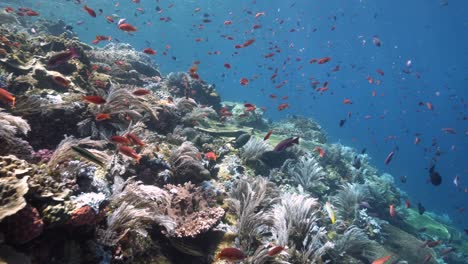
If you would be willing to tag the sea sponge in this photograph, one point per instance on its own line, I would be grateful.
(84, 215)
(24, 226)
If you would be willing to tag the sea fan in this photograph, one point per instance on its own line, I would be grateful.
(122, 220)
(64, 150)
(11, 144)
(254, 148)
(347, 200)
(295, 225)
(250, 199)
(354, 242)
(308, 173)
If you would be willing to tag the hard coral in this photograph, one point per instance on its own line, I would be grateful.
(24, 226)
(192, 209)
(11, 194)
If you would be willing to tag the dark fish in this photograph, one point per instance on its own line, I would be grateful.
(466, 231)
(158, 8)
(403, 179)
(342, 122)
(363, 151)
(241, 140)
(62, 57)
(88, 155)
(284, 144)
(435, 177)
(357, 162)
(421, 209)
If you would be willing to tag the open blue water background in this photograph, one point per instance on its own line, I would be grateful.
(433, 34)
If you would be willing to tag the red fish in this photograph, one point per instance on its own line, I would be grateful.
(7, 97)
(140, 92)
(9, 9)
(102, 117)
(275, 251)
(323, 60)
(417, 140)
(382, 260)
(249, 107)
(230, 254)
(210, 156)
(320, 151)
(134, 139)
(267, 136)
(149, 51)
(90, 11)
(110, 19)
(95, 99)
(389, 157)
(227, 65)
(61, 81)
(376, 41)
(62, 57)
(379, 71)
(281, 107)
(127, 151)
(227, 22)
(429, 106)
(120, 140)
(248, 42)
(347, 101)
(449, 130)
(321, 89)
(244, 81)
(407, 203)
(32, 13)
(392, 210)
(127, 27)
(259, 14)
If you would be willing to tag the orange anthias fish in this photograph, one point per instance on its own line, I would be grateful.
(281, 107)
(210, 156)
(382, 260)
(320, 151)
(347, 101)
(7, 97)
(149, 51)
(249, 107)
(102, 117)
(127, 27)
(230, 254)
(141, 92)
(90, 11)
(134, 139)
(267, 136)
(392, 210)
(127, 151)
(120, 140)
(61, 81)
(275, 251)
(95, 99)
(323, 60)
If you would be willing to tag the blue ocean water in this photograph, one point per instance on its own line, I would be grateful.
(432, 34)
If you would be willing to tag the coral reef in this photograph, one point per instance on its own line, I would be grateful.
(106, 160)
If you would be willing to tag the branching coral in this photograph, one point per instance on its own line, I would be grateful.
(187, 164)
(295, 225)
(250, 199)
(308, 173)
(254, 148)
(347, 200)
(10, 126)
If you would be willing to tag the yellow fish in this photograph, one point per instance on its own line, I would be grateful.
(330, 212)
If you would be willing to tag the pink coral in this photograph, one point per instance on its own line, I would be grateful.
(24, 226)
